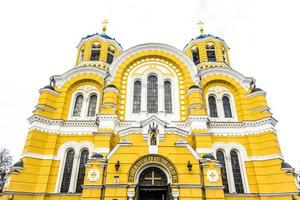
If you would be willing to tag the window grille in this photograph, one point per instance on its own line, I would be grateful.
(226, 107)
(168, 97)
(236, 170)
(196, 55)
(81, 172)
(221, 159)
(110, 54)
(137, 96)
(95, 52)
(65, 183)
(212, 106)
(211, 52)
(78, 105)
(152, 95)
(92, 105)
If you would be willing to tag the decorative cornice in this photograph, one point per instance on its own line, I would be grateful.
(205, 65)
(244, 81)
(242, 128)
(55, 93)
(62, 127)
(257, 93)
(98, 64)
(60, 80)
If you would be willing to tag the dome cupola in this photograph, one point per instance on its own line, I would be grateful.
(98, 49)
(207, 50)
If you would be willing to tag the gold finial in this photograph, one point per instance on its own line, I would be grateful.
(201, 26)
(104, 24)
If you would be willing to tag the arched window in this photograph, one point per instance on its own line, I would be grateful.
(92, 105)
(81, 54)
(236, 170)
(78, 105)
(221, 159)
(152, 95)
(211, 52)
(195, 55)
(212, 106)
(226, 107)
(224, 53)
(110, 54)
(95, 52)
(168, 97)
(137, 96)
(81, 171)
(65, 183)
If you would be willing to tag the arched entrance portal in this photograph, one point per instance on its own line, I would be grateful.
(153, 185)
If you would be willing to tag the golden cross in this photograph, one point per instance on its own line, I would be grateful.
(201, 26)
(212, 175)
(104, 24)
(153, 178)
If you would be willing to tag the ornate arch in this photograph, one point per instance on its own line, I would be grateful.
(153, 49)
(152, 160)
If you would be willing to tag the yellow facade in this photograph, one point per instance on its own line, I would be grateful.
(204, 128)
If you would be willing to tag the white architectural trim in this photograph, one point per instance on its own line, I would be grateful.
(242, 154)
(55, 93)
(244, 81)
(265, 157)
(86, 91)
(182, 143)
(219, 102)
(150, 47)
(101, 150)
(60, 80)
(166, 171)
(113, 151)
(39, 156)
(62, 127)
(61, 155)
(161, 78)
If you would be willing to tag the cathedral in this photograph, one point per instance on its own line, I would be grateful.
(151, 122)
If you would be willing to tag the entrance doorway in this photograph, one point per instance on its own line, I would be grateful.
(153, 185)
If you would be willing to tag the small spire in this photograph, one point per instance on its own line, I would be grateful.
(201, 26)
(104, 24)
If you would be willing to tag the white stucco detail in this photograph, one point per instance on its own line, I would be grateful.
(61, 155)
(163, 73)
(154, 46)
(219, 92)
(212, 175)
(244, 81)
(86, 91)
(93, 175)
(242, 155)
(60, 80)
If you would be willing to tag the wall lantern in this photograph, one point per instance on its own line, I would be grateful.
(117, 166)
(189, 166)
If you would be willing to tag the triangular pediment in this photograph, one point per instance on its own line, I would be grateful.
(153, 119)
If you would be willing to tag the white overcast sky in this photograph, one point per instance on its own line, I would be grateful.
(38, 39)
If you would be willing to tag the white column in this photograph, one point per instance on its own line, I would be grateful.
(144, 98)
(230, 178)
(220, 108)
(73, 180)
(161, 96)
(130, 194)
